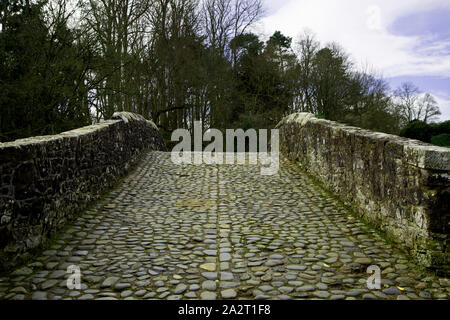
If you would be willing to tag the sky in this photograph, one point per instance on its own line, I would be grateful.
(401, 40)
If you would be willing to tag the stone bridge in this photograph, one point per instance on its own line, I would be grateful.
(108, 200)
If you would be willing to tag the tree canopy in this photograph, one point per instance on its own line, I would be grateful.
(65, 64)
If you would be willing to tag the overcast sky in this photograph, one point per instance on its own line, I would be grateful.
(403, 40)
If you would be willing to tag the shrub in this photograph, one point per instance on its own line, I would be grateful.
(441, 128)
(417, 129)
(320, 116)
(442, 140)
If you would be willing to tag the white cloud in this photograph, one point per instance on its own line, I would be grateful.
(273, 5)
(374, 18)
(443, 100)
(360, 26)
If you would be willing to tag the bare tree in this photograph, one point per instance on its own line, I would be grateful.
(428, 108)
(224, 20)
(414, 106)
(407, 95)
(174, 26)
(305, 48)
(115, 26)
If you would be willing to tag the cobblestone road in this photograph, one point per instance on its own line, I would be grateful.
(219, 232)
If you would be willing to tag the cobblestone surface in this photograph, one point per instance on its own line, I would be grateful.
(219, 232)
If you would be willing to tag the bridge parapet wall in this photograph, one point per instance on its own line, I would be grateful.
(47, 180)
(401, 186)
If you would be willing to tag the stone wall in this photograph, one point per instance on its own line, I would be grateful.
(401, 186)
(47, 180)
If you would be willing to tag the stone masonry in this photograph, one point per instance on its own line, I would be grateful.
(219, 232)
(400, 186)
(45, 181)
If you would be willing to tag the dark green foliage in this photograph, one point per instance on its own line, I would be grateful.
(278, 40)
(41, 75)
(441, 134)
(161, 62)
(320, 116)
(435, 133)
(418, 130)
(441, 128)
(263, 92)
(442, 140)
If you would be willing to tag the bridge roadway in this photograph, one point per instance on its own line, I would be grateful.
(219, 232)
